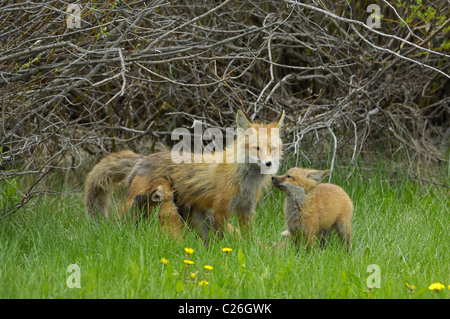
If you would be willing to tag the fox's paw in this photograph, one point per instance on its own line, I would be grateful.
(286, 233)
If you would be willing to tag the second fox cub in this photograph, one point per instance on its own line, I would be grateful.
(145, 194)
(313, 209)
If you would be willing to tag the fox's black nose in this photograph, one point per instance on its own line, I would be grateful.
(269, 163)
(273, 177)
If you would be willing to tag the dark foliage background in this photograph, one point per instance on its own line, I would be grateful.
(135, 70)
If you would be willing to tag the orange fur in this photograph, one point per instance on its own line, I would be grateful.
(200, 188)
(145, 194)
(102, 179)
(313, 209)
(219, 187)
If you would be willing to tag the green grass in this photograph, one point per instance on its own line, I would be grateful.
(400, 226)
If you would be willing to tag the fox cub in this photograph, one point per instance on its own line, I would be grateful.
(313, 209)
(145, 194)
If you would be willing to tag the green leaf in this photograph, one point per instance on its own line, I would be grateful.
(343, 276)
(179, 286)
(366, 253)
(241, 258)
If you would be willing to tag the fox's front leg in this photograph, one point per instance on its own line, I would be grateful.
(170, 220)
(244, 210)
(220, 221)
(245, 223)
(309, 236)
(221, 214)
(222, 224)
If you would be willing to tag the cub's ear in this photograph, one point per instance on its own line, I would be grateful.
(318, 176)
(281, 120)
(242, 121)
(158, 195)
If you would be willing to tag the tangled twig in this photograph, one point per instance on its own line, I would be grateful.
(135, 71)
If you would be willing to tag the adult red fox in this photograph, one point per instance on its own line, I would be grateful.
(220, 187)
(312, 208)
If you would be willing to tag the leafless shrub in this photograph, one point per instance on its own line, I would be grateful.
(134, 71)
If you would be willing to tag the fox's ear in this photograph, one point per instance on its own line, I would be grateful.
(318, 176)
(158, 194)
(242, 121)
(281, 120)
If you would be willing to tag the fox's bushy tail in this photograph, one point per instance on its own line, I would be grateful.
(102, 179)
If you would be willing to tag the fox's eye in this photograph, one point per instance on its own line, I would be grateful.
(289, 176)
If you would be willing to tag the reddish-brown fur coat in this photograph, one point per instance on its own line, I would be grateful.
(146, 194)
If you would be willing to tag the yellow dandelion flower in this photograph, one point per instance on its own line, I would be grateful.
(164, 261)
(436, 286)
(226, 250)
(188, 262)
(189, 251)
(203, 283)
(208, 267)
(193, 275)
(410, 287)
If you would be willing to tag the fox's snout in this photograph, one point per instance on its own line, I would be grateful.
(268, 160)
(277, 179)
(276, 182)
